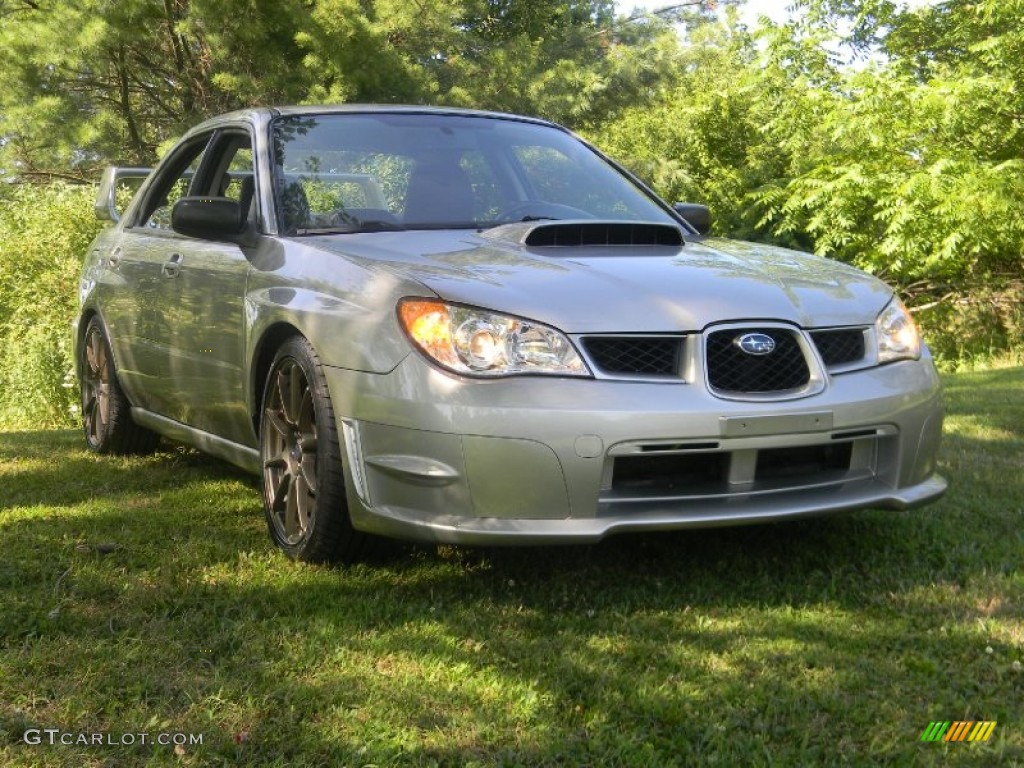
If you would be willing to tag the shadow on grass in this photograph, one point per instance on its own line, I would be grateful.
(821, 641)
(54, 468)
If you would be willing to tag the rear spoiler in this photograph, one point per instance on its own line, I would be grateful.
(113, 179)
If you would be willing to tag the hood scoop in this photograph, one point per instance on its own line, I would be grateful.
(570, 234)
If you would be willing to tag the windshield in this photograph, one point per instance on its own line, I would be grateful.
(394, 171)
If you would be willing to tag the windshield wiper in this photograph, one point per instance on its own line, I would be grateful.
(524, 220)
(376, 225)
(361, 227)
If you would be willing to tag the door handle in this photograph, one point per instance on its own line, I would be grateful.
(172, 266)
(114, 257)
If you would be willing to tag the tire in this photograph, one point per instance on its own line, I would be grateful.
(303, 481)
(106, 413)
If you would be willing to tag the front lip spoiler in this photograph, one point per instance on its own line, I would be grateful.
(653, 516)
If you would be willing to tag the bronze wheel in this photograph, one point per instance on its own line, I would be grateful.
(106, 412)
(303, 481)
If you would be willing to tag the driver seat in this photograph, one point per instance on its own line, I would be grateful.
(439, 192)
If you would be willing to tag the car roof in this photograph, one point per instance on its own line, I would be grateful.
(258, 115)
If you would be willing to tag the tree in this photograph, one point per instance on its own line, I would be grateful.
(915, 165)
(908, 164)
(707, 139)
(568, 60)
(83, 82)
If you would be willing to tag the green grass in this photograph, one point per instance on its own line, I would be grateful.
(144, 595)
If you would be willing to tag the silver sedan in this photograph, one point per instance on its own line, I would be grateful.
(474, 328)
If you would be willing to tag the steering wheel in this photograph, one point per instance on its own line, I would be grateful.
(535, 210)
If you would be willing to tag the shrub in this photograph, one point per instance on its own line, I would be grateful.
(970, 325)
(44, 233)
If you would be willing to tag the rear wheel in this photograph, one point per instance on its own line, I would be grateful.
(303, 481)
(106, 412)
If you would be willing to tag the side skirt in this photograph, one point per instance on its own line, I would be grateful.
(239, 455)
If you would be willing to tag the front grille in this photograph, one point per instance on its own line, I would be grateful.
(840, 347)
(730, 369)
(635, 355)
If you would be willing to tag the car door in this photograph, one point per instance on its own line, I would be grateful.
(135, 303)
(204, 304)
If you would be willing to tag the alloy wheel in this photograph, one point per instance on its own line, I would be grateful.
(96, 387)
(289, 452)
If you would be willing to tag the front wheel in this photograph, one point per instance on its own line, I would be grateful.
(303, 481)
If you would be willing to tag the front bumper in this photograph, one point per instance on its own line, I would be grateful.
(547, 460)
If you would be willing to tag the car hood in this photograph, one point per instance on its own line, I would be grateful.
(595, 289)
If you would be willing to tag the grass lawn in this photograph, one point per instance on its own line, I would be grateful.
(143, 596)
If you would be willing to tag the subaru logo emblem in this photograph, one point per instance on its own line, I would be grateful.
(755, 343)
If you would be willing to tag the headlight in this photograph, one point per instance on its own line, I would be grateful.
(476, 342)
(897, 334)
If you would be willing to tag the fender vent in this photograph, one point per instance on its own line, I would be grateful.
(565, 234)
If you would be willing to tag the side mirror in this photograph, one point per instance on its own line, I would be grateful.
(697, 216)
(208, 218)
(113, 178)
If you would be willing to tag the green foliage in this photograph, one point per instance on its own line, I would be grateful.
(968, 329)
(84, 82)
(44, 233)
(701, 141)
(889, 196)
(569, 60)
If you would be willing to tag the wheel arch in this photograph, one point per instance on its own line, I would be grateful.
(81, 326)
(262, 358)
